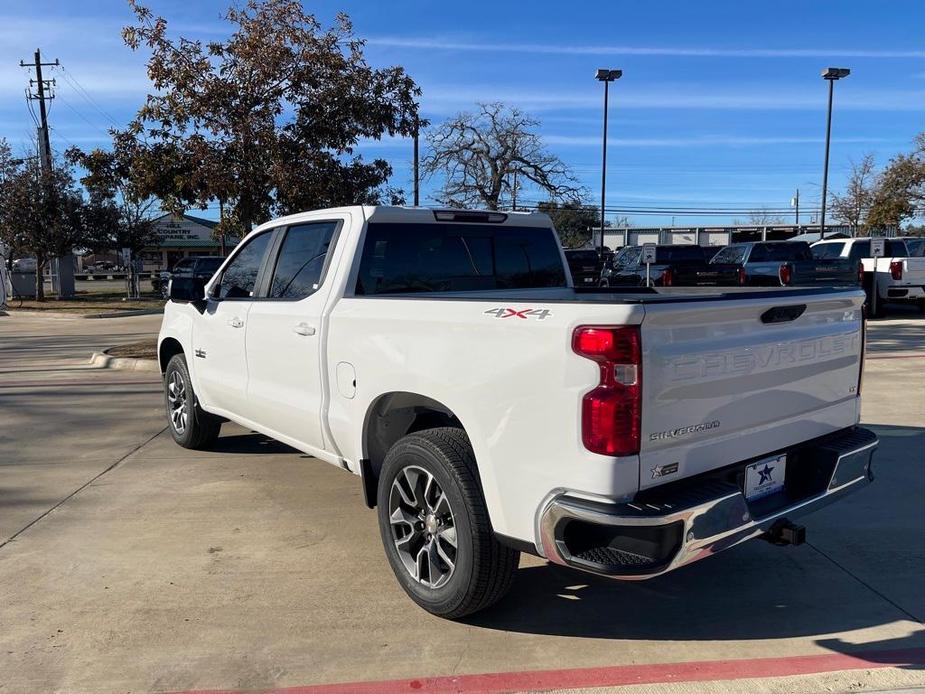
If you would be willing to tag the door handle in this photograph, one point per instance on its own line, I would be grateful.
(303, 329)
(236, 322)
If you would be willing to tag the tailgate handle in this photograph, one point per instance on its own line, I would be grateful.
(783, 314)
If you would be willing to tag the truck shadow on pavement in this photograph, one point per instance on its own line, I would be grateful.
(861, 567)
(249, 444)
(896, 333)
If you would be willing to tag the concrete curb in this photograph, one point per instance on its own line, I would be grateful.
(62, 314)
(126, 314)
(101, 360)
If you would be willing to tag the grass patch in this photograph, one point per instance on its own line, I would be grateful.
(90, 302)
(146, 349)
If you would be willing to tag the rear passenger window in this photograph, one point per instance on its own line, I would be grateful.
(240, 275)
(826, 251)
(402, 258)
(301, 261)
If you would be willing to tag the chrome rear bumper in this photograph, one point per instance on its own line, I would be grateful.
(683, 522)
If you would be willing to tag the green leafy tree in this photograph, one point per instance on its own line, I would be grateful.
(900, 189)
(572, 220)
(43, 213)
(265, 121)
(481, 157)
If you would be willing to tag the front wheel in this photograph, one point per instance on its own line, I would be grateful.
(435, 526)
(190, 425)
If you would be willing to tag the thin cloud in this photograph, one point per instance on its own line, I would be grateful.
(435, 43)
(443, 100)
(702, 141)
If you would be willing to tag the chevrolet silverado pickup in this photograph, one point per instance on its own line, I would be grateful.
(896, 277)
(489, 407)
(781, 264)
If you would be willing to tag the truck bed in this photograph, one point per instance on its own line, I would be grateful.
(621, 295)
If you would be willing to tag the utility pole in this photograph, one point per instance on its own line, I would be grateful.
(514, 194)
(41, 97)
(62, 272)
(796, 206)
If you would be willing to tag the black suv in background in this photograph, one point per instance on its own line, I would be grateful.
(627, 269)
(201, 266)
(585, 266)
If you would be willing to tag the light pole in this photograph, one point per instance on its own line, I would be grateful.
(605, 76)
(831, 74)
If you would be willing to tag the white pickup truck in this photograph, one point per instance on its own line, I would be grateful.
(896, 276)
(488, 407)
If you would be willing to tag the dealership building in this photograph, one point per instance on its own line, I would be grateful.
(180, 236)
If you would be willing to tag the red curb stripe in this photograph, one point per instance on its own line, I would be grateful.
(658, 673)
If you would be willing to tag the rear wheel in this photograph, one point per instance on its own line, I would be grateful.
(921, 304)
(435, 526)
(190, 425)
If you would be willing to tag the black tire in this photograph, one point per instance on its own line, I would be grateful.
(198, 429)
(921, 304)
(483, 569)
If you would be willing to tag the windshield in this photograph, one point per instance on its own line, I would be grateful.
(581, 257)
(209, 264)
(916, 247)
(675, 254)
(730, 255)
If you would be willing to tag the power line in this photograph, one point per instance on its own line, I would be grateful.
(72, 80)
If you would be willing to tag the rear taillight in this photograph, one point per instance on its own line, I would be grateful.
(861, 273)
(896, 269)
(611, 414)
(667, 277)
(785, 274)
(742, 277)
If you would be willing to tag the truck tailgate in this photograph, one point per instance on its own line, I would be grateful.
(725, 381)
(913, 272)
(826, 272)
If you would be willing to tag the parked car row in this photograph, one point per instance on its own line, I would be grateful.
(195, 266)
(898, 276)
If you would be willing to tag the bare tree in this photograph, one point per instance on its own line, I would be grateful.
(486, 156)
(762, 218)
(852, 206)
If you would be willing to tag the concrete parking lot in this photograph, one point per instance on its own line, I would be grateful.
(128, 564)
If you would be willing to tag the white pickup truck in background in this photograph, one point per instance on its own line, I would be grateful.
(897, 276)
(488, 407)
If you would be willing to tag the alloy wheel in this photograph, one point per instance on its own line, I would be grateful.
(423, 526)
(177, 402)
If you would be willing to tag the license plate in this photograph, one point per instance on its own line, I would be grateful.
(589, 280)
(765, 477)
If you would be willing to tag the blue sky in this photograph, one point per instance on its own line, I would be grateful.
(721, 104)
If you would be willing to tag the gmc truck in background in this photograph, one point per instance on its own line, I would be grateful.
(488, 407)
(896, 277)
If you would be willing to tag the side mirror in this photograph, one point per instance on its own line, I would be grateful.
(186, 289)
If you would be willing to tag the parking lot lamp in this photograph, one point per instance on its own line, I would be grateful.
(831, 74)
(605, 76)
